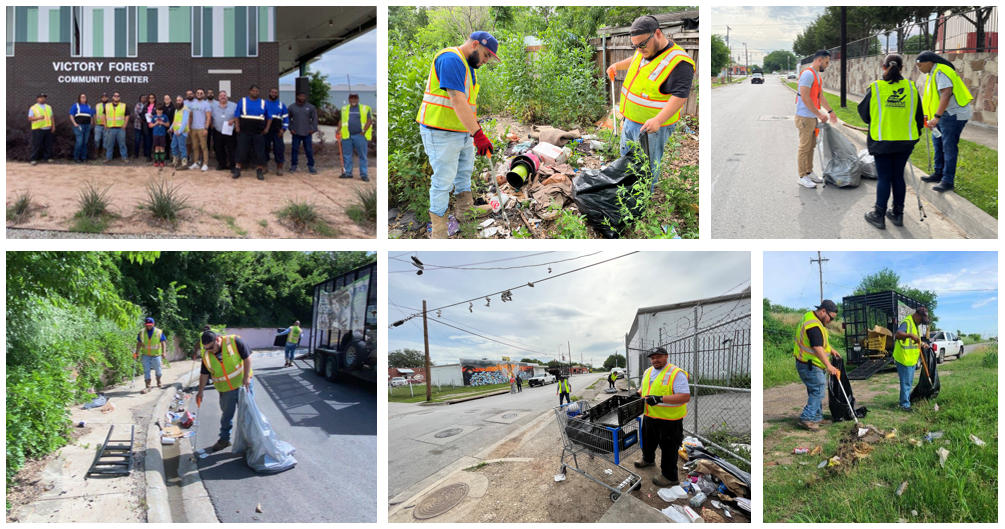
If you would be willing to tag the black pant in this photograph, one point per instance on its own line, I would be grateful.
(519, 387)
(563, 395)
(41, 144)
(225, 148)
(667, 435)
(611, 382)
(251, 149)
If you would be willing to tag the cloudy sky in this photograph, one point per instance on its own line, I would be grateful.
(591, 308)
(966, 282)
(763, 28)
(358, 58)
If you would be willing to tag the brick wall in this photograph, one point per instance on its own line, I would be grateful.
(31, 71)
(978, 70)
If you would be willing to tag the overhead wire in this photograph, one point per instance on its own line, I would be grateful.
(428, 267)
(470, 326)
(491, 340)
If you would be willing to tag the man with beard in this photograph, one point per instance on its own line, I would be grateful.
(280, 123)
(658, 82)
(252, 126)
(448, 126)
(811, 89)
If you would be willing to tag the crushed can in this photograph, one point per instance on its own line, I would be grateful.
(800, 451)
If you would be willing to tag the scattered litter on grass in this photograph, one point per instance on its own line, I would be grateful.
(901, 489)
(833, 462)
(892, 434)
(931, 436)
(862, 432)
(915, 442)
(817, 451)
(943, 455)
(936, 406)
(675, 515)
(976, 440)
(914, 512)
(822, 464)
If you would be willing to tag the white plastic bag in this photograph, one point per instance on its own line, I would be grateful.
(692, 442)
(868, 165)
(254, 436)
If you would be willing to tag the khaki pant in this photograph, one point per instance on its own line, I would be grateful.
(200, 150)
(807, 141)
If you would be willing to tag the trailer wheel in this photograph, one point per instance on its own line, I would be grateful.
(331, 369)
(319, 364)
(353, 358)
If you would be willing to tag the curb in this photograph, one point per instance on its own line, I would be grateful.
(973, 221)
(158, 508)
(194, 496)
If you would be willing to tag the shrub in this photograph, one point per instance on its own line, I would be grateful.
(20, 210)
(164, 201)
(366, 208)
(93, 203)
(304, 217)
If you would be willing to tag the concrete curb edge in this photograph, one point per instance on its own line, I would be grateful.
(195, 498)
(158, 508)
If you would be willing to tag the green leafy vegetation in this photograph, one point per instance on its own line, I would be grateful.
(365, 209)
(304, 217)
(93, 215)
(571, 225)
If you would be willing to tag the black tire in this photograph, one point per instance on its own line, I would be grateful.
(942, 357)
(960, 354)
(354, 356)
(331, 369)
(615, 496)
(319, 364)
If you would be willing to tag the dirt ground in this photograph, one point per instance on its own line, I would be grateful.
(220, 206)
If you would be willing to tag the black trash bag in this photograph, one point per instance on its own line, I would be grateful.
(595, 192)
(928, 383)
(838, 157)
(840, 411)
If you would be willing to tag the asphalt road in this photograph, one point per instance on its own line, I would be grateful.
(332, 426)
(754, 190)
(411, 460)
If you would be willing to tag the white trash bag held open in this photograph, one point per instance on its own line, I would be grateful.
(254, 436)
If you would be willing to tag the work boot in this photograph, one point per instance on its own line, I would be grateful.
(643, 463)
(896, 215)
(259, 174)
(663, 481)
(235, 173)
(146, 390)
(439, 227)
(943, 187)
(279, 169)
(877, 218)
(159, 382)
(465, 205)
(343, 175)
(220, 445)
(811, 426)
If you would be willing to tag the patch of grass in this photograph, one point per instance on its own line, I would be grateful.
(164, 201)
(726, 439)
(964, 491)
(89, 224)
(479, 466)
(263, 223)
(20, 210)
(232, 224)
(304, 217)
(93, 215)
(367, 203)
(402, 394)
(574, 398)
(571, 225)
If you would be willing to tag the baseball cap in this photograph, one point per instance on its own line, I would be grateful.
(41, 95)
(352, 95)
(486, 39)
(656, 351)
(828, 305)
(149, 320)
(644, 25)
(923, 312)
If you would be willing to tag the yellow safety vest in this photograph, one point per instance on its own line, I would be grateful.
(905, 351)
(563, 386)
(151, 344)
(99, 110)
(179, 117)
(116, 119)
(641, 98)
(930, 103)
(437, 111)
(891, 111)
(294, 335)
(44, 111)
(363, 112)
(227, 375)
(663, 385)
(802, 350)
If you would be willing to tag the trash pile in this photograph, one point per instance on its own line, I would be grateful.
(178, 420)
(712, 480)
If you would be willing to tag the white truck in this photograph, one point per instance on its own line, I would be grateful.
(946, 343)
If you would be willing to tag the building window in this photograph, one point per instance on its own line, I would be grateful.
(77, 31)
(197, 31)
(252, 31)
(10, 31)
(132, 19)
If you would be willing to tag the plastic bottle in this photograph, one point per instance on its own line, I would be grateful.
(698, 499)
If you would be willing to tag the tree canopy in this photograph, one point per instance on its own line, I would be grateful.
(407, 358)
(615, 360)
(780, 60)
(720, 55)
(887, 279)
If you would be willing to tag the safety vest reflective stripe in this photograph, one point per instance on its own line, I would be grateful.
(666, 60)
(437, 110)
(802, 349)
(78, 112)
(244, 110)
(663, 385)
(641, 96)
(239, 370)
(44, 111)
(641, 100)
(932, 97)
(224, 371)
(151, 342)
(364, 111)
(116, 117)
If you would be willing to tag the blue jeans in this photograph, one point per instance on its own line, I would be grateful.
(890, 172)
(290, 350)
(452, 156)
(815, 380)
(228, 405)
(275, 142)
(151, 362)
(357, 143)
(308, 142)
(99, 137)
(947, 147)
(113, 137)
(178, 148)
(80, 147)
(657, 142)
(906, 374)
(137, 142)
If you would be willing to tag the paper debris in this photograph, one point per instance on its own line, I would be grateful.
(943, 455)
(976, 440)
(901, 489)
(259, 508)
(559, 477)
(817, 451)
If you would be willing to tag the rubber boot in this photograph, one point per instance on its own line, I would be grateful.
(439, 227)
(465, 207)
(896, 215)
(146, 389)
(159, 382)
(876, 218)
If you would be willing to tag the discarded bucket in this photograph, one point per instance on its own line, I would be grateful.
(522, 169)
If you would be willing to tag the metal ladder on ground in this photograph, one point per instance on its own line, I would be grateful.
(115, 456)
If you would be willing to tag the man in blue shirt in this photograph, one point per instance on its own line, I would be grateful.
(152, 342)
(280, 123)
(254, 120)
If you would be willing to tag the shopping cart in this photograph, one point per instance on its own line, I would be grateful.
(594, 447)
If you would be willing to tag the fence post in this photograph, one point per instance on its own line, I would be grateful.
(696, 370)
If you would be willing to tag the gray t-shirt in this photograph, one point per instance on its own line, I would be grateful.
(199, 109)
(963, 113)
(355, 126)
(222, 114)
(805, 79)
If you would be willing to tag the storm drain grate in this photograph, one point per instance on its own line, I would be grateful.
(448, 433)
(510, 415)
(440, 501)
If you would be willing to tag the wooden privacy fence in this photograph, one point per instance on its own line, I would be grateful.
(618, 47)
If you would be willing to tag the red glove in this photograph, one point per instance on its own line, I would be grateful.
(483, 144)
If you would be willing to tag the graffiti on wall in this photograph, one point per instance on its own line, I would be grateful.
(486, 372)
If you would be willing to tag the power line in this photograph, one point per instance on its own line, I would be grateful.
(491, 340)
(470, 326)
(416, 324)
(483, 262)
(428, 267)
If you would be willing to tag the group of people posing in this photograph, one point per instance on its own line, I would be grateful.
(185, 129)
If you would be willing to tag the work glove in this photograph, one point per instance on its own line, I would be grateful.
(136, 356)
(198, 399)
(653, 400)
(483, 144)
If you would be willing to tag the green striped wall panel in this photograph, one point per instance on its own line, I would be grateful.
(142, 22)
(120, 32)
(32, 24)
(64, 24)
(21, 25)
(263, 24)
(180, 24)
(229, 40)
(98, 29)
(54, 25)
(241, 32)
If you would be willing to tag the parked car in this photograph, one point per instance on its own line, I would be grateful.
(790, 76)
(620, 371)
(398, 381)
(541, 380)
(757, 78)
(945, 342)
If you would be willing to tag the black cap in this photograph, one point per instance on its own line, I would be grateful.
(353, 94)
(644, 25)
(923, 312)
(41, 95)
(828, 305)
(208, 337)
(656, 351)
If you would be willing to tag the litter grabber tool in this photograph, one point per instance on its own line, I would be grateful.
(847, 400)
(614, 110)
(917, 192)
(502, 205)
(928, 147)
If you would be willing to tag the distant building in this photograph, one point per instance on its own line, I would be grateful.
(337, 96)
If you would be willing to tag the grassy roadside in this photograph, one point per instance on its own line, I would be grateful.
(401, 393)
(964, 490)
(734, 81)
(976, 168)
(779, 333)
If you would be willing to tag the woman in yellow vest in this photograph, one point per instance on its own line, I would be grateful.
(293, 339)
(892, 108)
(654, 90)
(226, 359)
(666, 391)
(43, 129)
(906, 350)
(947, 109)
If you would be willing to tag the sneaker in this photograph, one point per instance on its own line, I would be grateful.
(293, 169)
(344, 176)
(205, 168)
(931, 179)
(259, 174)
(33, 162)
(806, 182)
(193, 167)
(312, 170)
(184, 162)
(811, 426)
(943, 187)
(644, 464)
(816, 179)
(236, 173)
(220, 445)
(906, 409)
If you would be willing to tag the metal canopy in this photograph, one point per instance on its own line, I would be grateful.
(304, 33)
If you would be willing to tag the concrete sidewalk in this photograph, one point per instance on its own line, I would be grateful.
(63, 493)
(980, 134)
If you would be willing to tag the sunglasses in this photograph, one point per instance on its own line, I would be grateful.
(643, 45)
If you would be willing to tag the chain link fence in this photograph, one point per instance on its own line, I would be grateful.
(717, 358)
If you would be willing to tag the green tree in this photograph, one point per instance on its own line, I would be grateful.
(918, 43)
(720, 55)
(615, 360)
(529, 360)
(780, 60)
(407, 358)
(887, 279)
(320, 89)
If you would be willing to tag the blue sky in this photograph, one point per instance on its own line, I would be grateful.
(358, 58)
(763, 28)
(966, 282)
(592, 308)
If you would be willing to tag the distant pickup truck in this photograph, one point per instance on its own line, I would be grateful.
(541, 380)
(757, 78)
(944, 342)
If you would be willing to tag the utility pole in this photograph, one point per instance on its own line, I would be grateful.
(844, 57)
(746, 58)
(788, 65)
(729, 66)
(425, 338)
(569, 346)
(820, 264)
